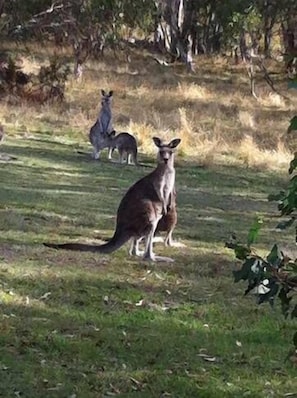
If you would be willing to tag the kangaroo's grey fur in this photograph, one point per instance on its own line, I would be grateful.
(141, 208)
(103, 126)
(125, 143)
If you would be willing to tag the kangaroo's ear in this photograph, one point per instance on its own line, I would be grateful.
(157, 142)
(112, 133)
(174, 143)
(110, 93)
(103, 93)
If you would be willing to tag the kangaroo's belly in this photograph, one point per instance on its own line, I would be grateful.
(139, 219)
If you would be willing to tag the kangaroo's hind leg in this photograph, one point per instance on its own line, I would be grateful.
(110, 152)
(134, 249)
(96, 152)
(148, 253)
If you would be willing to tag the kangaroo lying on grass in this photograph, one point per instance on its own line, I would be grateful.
(141, 208)
(102, 126)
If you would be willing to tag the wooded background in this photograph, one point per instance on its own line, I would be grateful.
(176, 28)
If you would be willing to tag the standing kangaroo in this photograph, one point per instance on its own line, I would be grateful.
(103, 126)
(141, 208)
(125, 143)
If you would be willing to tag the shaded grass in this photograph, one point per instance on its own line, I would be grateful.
(84, 325)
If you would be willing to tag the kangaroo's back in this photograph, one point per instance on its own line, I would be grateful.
(126, 144)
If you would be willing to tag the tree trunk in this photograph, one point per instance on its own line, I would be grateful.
(175, 26)
(269, 16)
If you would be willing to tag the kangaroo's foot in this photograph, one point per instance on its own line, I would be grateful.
(158, 259)
(110, 151)
(158, 239)
(136, 252)
(96, 155)
(134, 248)
(176, 244)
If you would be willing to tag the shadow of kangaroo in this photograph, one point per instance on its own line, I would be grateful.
(140, 209)
(103, 126)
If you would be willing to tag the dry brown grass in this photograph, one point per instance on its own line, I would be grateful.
(212, 111)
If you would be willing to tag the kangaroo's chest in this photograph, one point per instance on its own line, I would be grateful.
(167, 184)
(105, 120)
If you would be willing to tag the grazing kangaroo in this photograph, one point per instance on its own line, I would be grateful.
(125, 143)
(102, 127)
(141, 208)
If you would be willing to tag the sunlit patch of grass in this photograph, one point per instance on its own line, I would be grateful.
(251, 155)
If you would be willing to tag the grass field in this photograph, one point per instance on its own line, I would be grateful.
(86, 325)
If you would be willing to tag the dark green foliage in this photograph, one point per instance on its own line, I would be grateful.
(254, 231)
(293, 127)
(54, 77)
(214, 27)
(11, 74)
(270, 278)
(276, 276)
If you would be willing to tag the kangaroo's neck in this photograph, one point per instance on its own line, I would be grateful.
(166, 168)
(166, 176)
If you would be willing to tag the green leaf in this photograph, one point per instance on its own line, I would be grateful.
(276, 196)
(241, 252)
(293, 164)
(269, 296)
(275, 257)
(295, 340)
(293, 124)
(294, 312)
(285, 301)
(254, 231)
(285, 224)
(248, 270)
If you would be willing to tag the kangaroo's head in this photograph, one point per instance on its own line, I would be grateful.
(166, 151)
(106, 98)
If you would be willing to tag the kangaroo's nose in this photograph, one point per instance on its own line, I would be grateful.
(165, 161)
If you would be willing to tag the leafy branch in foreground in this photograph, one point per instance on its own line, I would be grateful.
(287, 199)
(274, 276)
(268, 278)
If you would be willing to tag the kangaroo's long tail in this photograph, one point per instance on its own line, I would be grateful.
(118, 240)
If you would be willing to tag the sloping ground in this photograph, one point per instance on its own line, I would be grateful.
(85, 325)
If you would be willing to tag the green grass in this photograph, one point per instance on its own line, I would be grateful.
(86, 325)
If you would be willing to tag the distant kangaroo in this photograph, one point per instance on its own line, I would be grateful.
(103, 126)
(125, 143)
(141, 208)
